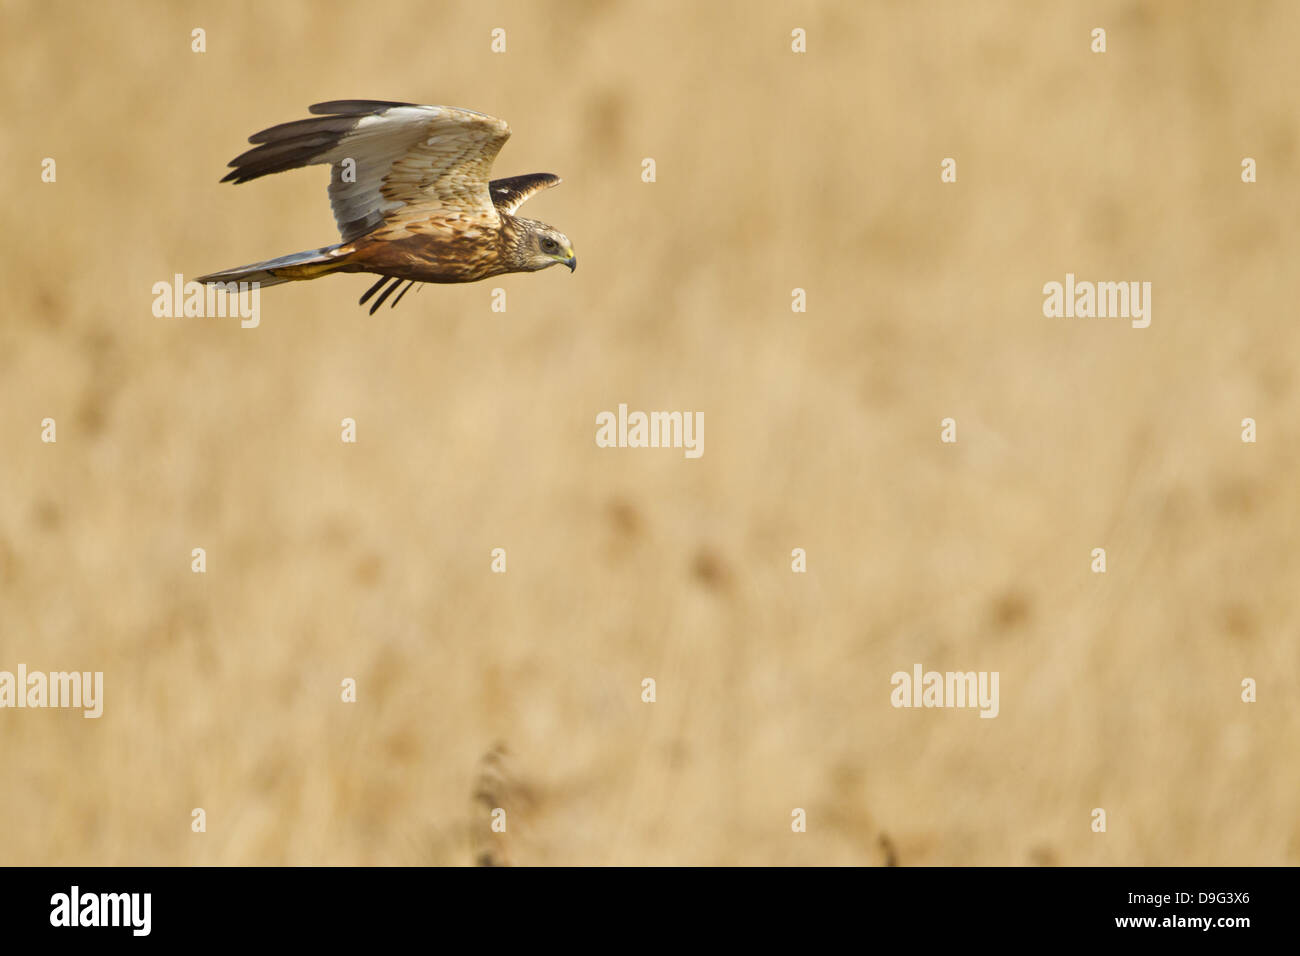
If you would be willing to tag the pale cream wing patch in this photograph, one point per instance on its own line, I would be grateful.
(411, 163)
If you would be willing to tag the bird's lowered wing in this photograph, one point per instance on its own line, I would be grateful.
(510, 194)
(408, 162)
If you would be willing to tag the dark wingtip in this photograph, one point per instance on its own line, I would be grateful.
(352, 107)
(384, 295)
(402, 293)
(383, 281)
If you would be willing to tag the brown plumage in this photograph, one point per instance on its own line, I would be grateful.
(411, 196)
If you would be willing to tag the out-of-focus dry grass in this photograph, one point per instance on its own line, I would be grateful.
(476, 431)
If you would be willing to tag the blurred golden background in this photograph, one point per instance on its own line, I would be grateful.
(775, 170)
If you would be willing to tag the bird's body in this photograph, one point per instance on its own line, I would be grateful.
(411, 195)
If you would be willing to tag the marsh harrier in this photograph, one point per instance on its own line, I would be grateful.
(410, 192)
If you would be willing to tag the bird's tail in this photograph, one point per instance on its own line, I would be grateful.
(299, 265)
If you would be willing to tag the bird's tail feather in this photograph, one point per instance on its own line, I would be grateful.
(297, 266)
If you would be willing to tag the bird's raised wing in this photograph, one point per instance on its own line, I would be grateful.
(392, 162)
(510, 194)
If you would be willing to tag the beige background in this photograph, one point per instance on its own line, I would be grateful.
(476, 430)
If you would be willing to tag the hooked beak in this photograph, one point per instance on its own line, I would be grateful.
(571, 262)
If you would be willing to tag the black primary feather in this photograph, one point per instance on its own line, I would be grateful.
(383, 281)
(384, 295)
(403, 292)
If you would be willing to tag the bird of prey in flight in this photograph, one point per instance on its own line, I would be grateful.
(411, 196)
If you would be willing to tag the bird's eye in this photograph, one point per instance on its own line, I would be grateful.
(548, 245)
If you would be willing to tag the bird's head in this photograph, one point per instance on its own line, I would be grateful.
(538, 246)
